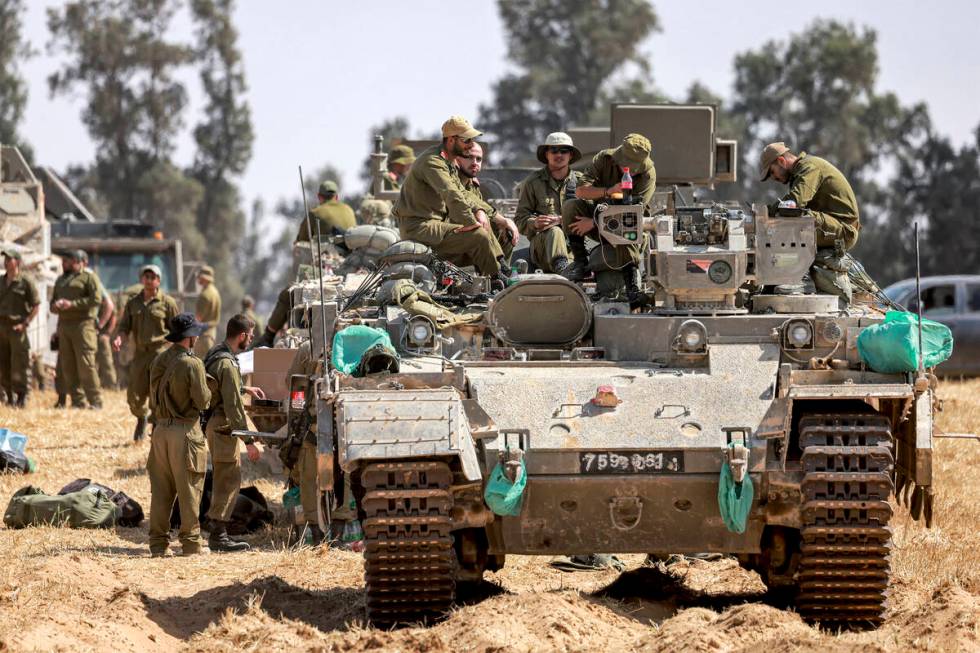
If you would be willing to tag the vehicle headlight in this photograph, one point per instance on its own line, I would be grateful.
(420, 331)
(799, 334)
(691, 337)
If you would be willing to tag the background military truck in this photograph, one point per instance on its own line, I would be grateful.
(709, 420)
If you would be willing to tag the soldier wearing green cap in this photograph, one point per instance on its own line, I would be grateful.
(540, 203)
(601, 181)
(207, 310)
(434, 208)
(144, 319)
(400, 160)
(503, 229)
(76, 299)
(19, 302)
(333, 216)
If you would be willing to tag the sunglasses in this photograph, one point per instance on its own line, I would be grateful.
(560, 150)
(466, 141)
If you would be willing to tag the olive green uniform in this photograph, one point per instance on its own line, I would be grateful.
(259, 327)
(208, 310)
(280, 313)
(18, 297)
(816, 185)
(78, 338)
(178, 452)
(502, 236)
(103, 354)
(228, 414)
(432, 204)
(335, 217)
(604, 172)
(146, 324)
(304, 363)
(542, 194)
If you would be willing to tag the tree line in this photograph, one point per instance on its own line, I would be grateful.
(817, 89)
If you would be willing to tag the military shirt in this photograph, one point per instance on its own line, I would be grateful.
(18, 298)
(605, 172)
(146, 321)
(208, 307)
(541, 194)
(392, 181)
(185, 393)
(475, 194)
(334, 216)
(259, 327)
(82, 290)
(227, 400)
(817, 185)
(433, 191)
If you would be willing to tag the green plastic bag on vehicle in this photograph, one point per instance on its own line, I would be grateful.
(503, 497)
(351, 344)
(734, 499)
(893, 345)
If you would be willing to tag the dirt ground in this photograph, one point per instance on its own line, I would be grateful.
(70, 590)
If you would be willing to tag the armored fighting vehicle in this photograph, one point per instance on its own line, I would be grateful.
(634, 428)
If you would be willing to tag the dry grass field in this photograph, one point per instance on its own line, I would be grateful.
(100, 591)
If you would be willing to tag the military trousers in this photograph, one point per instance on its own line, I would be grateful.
(204, 343)
(15, 359)
(546, 246)
(829, 230)
(138, 388)
(308, 490)
(226, 465)
(107, 367)
(478, 247)
(176, 466)
(602, 258)
(280, 314)
(77, 345)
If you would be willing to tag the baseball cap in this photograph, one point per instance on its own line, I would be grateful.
(459, 126)
(155, 269)
(769, 154)
(327, 187)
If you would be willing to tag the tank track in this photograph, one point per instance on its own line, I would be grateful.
(845, 540)
(409, 562)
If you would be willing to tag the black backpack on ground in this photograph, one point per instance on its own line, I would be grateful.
(129, 513)
(12, 462)
(251, 511)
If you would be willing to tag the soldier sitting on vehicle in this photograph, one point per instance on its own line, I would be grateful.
(505, 232)
(400, 160)
(434, 208)
(333, 216)
(820, 188)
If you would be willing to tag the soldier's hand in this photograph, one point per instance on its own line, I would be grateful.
(254, 391)
(62, 304)
(117, 343)
(472, 227)
(511, 228)
(481, 218)
(18, 327)
(582, 226)
(252, 452)
(543, 222)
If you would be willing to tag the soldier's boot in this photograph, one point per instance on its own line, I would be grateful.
(636, 297)
(21, 400)
(61, 403)
(579, 268)
(219, 540)
(560, 265)
(140, 431)
(317, 536)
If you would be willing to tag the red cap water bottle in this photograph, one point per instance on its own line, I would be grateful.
(626, 183)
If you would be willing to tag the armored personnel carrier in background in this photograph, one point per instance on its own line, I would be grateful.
(632, 428)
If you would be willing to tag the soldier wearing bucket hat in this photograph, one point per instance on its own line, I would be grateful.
(601, 181)
(334, 217)
(817, 185)
(400, 160)
(207, 310)
(433, 207)
(178, 455)
(144, 319)
(539, 207)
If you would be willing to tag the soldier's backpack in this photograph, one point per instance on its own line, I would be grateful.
(30, 506)
(14, 462)
(129, 513)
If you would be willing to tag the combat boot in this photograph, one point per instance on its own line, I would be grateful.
(560, 265)
(575, 271)
(219, 540)
(62, 401)
(21, 400)
(140, 431)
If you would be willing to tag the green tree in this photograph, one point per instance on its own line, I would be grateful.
(118, 53)
(566, 53)
(13, 89)
(263, 265)
(224, 142)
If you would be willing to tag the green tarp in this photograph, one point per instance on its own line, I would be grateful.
(350, 345)
(893, 345)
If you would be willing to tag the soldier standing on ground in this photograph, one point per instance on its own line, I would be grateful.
(227, 415)
(304, 364)
(601, 181)
(207, 310)
(76, 300)
(145, 317)
(106, 322)
(19, 303)
(503, 228)
(434, 209)
(178, 451)
(333, 216)
(539, 206)
(817, 186)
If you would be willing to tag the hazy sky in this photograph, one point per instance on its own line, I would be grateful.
(321, 73)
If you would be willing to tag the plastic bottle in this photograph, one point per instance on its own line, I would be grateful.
(12, 441)
(570, 186)
(626, 183)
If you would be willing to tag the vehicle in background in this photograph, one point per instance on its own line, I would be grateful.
(953, 300)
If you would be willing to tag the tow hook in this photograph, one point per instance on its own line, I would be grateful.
(738, 454)
(625, 512)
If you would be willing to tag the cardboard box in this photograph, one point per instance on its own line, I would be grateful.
(270, 368)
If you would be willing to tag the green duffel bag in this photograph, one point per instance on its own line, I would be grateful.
(30, 506)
